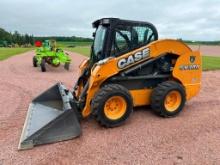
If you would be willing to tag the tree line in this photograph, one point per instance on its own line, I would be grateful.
(15, 38)
(8, 39)
(65, 39)
(202, 42)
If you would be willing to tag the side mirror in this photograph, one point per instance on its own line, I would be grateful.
(93, 34)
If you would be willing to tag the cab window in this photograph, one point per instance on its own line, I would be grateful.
(122, 41)
(128, 38)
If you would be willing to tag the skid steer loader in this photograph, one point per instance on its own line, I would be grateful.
(128, 67)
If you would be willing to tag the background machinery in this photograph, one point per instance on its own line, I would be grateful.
(50, 54)
(128, 67)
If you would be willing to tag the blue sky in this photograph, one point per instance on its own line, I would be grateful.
(187, 19)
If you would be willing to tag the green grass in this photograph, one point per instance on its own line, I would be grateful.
(8, 52)
(210, 63)
(84, 50)
(67, 44)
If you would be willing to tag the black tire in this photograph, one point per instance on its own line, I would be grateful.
(159, 94)
(43, 65)
(34, 61)
(98, 103)
(67, 65)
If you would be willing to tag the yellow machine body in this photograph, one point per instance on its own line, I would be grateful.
(185, 71)
(128, 67)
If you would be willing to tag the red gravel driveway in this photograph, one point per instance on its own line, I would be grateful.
(193, 137)
(207, 50)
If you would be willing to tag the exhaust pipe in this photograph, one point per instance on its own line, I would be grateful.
(51, 117)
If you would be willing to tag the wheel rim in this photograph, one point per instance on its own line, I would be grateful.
(115, 107)
(172, 101)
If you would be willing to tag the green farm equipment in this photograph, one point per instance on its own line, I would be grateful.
(47, 52)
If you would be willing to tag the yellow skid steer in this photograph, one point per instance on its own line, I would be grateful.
(128, 67)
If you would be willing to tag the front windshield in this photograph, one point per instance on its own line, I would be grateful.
(99, 39)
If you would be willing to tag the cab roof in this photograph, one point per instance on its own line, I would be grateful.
(114, 21)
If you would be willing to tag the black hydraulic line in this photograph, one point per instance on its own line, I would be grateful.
(84, 91)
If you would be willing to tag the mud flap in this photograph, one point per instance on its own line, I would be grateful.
(52, 117)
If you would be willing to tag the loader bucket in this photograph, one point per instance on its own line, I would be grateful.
(51, 117)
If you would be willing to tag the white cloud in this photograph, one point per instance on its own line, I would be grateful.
(196, 20)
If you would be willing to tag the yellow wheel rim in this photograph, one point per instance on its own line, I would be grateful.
(115, 107)
(172, 101)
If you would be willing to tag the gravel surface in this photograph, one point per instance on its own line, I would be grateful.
(208, 50)
(193, 137)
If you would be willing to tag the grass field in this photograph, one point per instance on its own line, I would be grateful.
(78, 47)
(84, 50)
(8, 52)
(210, 63)
(68, 44)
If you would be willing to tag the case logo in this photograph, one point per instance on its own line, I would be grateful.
(145, 53)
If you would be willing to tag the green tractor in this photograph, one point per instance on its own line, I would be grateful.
(47, 52)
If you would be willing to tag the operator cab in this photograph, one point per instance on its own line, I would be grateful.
(114, 37)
